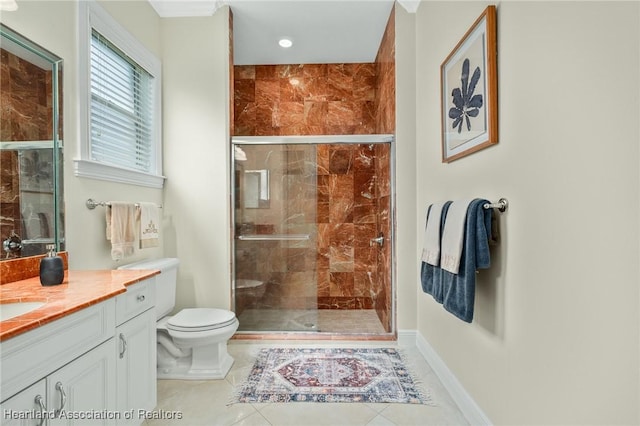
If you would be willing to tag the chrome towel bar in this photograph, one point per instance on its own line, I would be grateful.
(274, 237)
(501, 205)
(92, 204)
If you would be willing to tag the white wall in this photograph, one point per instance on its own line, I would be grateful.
(53, 25)
(405, 171)
(196, 135)
(555, 336)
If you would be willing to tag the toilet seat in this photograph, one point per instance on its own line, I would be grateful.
(201, 319)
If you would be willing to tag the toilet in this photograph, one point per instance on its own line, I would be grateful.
(253, 289)
(192, 344)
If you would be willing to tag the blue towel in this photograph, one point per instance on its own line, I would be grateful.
(457, 291)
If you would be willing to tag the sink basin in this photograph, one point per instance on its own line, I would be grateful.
(11, 310)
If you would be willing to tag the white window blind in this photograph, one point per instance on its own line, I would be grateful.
(121, 110)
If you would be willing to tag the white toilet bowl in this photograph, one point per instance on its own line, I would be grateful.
(196, 347)
(251, 290)
(192, 344)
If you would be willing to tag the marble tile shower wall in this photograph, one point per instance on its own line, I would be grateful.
(304, 99)
(347, 220)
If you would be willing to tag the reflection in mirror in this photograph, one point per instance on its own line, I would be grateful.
(256, 189)
(31, 212)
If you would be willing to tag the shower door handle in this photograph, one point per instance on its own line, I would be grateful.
(378, 240)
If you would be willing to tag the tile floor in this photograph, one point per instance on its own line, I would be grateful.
(206, 402)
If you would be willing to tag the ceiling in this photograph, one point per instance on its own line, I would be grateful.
(322, 31)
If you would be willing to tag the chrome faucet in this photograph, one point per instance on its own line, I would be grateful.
(12, 244)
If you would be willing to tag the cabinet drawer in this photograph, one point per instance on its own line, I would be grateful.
(138, 298)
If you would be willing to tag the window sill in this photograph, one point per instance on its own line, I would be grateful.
(100, 171)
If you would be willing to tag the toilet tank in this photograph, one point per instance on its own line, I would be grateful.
(165, 281)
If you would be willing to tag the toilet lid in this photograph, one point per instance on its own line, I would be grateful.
(200, 319)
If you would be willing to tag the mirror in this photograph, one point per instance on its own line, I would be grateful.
(31, 189)
(256, 189)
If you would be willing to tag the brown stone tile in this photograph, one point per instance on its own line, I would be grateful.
(362, 283)
(266, 72)
(341, 259)
(290, 114)
(292, 89)
(340, 161)
(315, 70)
(341, 234)
(244, 91)
(317, 89)
(364, 187)
(341, 284)
(322, 160)
(324, 238)
(315, 114)
(364, 213)
(341, 186)
(244, 72)
(363, 303)
(363, 234)
(323, 214)
(267, 92)
(365, 259)
(324, 287)
(341, 210)
(289, 70)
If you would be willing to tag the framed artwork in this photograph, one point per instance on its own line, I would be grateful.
(469, 88)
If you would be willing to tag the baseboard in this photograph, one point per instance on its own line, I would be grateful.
(461, 397)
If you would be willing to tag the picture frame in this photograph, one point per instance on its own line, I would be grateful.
(469, 91)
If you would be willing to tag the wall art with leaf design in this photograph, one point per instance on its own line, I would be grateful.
(469, 85)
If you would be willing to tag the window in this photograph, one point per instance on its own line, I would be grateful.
(120, 99)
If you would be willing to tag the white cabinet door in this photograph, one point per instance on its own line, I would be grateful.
(136, 366)
(83, 391)
(26, 408)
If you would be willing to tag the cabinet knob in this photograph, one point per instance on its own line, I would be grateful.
(141, 298)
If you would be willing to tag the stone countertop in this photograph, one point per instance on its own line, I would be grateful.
(79, 290)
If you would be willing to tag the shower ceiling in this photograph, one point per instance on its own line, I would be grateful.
(322, 31)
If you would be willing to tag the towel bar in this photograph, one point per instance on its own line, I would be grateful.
(274, 237)
(92, 204)
(501, 205)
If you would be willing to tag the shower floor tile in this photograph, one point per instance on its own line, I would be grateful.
(361, 321)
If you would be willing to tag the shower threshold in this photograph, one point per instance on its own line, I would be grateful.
(352, 321)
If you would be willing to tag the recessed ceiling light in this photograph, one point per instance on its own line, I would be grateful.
(285, 42)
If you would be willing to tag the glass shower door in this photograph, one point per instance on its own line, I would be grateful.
(275, 285)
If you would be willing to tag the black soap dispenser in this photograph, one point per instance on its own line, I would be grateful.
(51, 267)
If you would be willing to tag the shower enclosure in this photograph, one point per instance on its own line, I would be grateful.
(313, 234)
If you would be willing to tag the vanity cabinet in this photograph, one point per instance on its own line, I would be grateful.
(97, 364)
(71, 365)
(136, 354)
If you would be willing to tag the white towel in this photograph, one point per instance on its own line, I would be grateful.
(453, 235)
(121, 232)
(431, 247)
(149, 225)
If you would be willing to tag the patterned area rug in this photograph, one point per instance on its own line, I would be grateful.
(331, 375)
